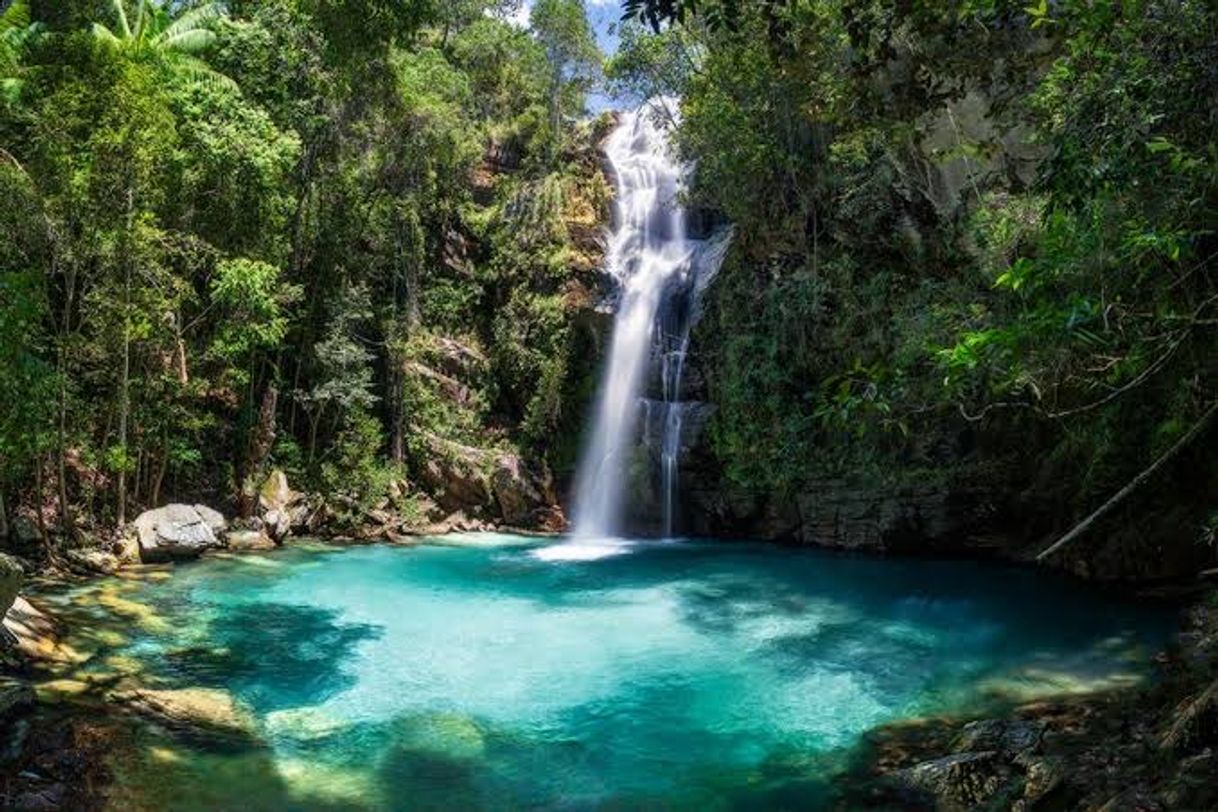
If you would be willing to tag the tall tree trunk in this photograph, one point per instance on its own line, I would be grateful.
(124, 391)
(61, 450)
(4, 530)
(38, 505)
(179, 355)
(159, 477)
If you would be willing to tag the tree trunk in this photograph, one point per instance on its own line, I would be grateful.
(4, 530)
(158, 478)
(38, 504)
(61, 451)
(124, 389)
(180, 353)
(1083, 526)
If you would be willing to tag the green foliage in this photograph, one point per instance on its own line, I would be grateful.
(217, 208)
(253, 300)
(985, 210)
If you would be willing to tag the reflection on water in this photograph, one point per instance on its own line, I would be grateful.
(482, 675)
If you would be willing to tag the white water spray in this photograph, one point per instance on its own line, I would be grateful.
(661, 274)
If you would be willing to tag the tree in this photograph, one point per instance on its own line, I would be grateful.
(561, 26)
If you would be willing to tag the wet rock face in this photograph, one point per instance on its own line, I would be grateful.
(178, 531)
(848, 515)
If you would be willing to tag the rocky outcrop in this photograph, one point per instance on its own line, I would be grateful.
(961, 782)
(472, 480)
(515, 494)
(458, 476)
(1152, 746)
(279, 507)
(931, 517)
(178, 531)
(10, 582)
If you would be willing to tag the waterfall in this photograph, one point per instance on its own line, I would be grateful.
(661, 273)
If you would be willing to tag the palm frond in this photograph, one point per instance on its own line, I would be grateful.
(15, 17)
(187, 42)
(106, 36)
(195, 20)
(121, 13)
(195, 70)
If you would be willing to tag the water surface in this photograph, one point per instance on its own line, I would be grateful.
(672, 675)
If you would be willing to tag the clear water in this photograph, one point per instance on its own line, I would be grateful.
(678, 675)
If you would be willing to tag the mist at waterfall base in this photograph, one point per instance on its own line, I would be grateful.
(661, 272)
(682, 675)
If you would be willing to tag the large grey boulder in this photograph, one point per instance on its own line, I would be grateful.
(178, 531)
(10, 582)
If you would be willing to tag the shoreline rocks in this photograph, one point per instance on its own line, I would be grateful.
(178, 531)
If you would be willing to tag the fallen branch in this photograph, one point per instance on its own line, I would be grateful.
(1083, 526)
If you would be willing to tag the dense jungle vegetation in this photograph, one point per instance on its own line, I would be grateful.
(972, 234)
(253, 233)
(970, 237)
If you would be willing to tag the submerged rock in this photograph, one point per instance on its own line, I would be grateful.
(177, 531)
(208, 709)
(248, 540)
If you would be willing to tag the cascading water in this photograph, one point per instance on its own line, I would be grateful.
(661, 273)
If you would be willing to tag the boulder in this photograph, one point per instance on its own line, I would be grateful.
(177, 531)
(1010, 737)
(456, 474)
(10, 582)
(280, 507)
(959, 782)
(15, 697)
(126, 549)
(248, 540)
(25, 531)
(92, 562)
(212, 518)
